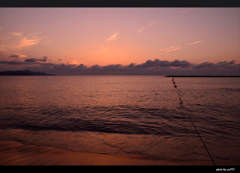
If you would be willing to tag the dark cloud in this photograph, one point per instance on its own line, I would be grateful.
(203, 65)
(150, 67)
(31, 60)
(12, 62)
(81, 66)
(44, 59)
(219, 65)
(47, 64)
(159, 63)
(14, 56)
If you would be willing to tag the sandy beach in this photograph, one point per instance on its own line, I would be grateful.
(15, 153)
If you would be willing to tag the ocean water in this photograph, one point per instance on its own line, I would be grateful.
(124, 115)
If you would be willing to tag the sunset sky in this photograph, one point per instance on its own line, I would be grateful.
(46, 37)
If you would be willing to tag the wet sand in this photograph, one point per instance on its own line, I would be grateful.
(15, 153)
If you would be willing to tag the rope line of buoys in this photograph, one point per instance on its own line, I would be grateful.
(182, 106)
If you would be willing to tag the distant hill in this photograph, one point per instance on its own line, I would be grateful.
(23, 73)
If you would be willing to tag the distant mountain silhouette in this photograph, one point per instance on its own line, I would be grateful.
(22, 73)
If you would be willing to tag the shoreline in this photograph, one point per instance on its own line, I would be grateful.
(16, 153)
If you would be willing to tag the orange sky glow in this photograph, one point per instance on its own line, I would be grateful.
(123, 36)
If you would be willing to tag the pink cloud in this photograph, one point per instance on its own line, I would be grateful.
(195, 42)
(149, 25)
(113, 37)
(169, 49)
(28, 42)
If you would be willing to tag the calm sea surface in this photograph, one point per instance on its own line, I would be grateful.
(124, 115)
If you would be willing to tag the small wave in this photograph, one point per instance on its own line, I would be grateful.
(120, 119)
(230, 89)
(112, 119)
